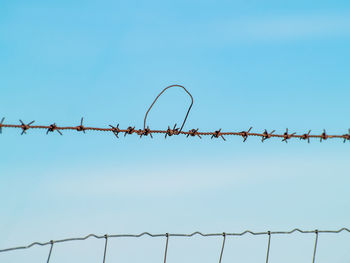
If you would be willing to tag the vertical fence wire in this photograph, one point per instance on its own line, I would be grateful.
(315, 248)
(49, 256)
(166, 247)
(223, 246)
(268, 247)
(105, 250)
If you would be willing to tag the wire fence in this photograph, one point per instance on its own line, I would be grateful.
(167, 236)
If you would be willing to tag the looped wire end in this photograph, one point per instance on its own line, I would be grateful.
(171, 86)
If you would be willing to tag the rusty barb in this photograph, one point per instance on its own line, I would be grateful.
(285, 137)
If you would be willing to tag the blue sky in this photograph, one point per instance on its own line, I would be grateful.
(271, 64)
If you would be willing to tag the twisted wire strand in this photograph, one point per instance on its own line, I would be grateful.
(172, 132)
(175, 235)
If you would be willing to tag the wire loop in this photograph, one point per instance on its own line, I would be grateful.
(188, 111)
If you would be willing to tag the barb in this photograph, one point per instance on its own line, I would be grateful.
(267, 135)
(287, 136)
(81, 126)
(306, 136)
(218, 134)
(177, 235)
(245, 134)
(25, 127)
(53, 127)
(1, 122)
(175, 131)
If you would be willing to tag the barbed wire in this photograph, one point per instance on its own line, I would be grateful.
(146, 131)
(168, 235)
(286, 136)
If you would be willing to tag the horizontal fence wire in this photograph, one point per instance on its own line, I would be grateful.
(168, 235)
(286, 136)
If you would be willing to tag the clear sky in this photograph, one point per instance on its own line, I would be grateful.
(266, 64)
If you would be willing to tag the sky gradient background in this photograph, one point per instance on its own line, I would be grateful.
(271, 64)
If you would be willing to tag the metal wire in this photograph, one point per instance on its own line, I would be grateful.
(286, 136)
(166, 247)
(268, 247)
(175, 131)
(175, 235)
(104, 254)
(315, 247)
(188, 111)
(222, 247)
(49, 256)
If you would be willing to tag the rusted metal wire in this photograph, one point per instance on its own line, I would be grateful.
(285, 137)
(167, 235)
